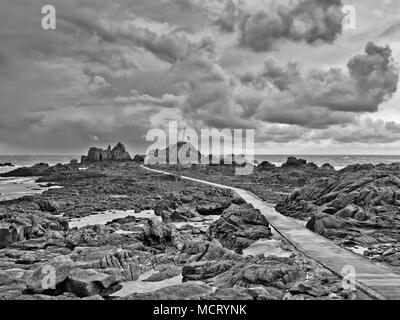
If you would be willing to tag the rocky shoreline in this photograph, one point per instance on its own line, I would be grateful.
(177, 239)
(356, 207)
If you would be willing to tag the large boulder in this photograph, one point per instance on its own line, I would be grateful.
(207, 251)
(319, 223)
(89, 282)
(48, 276)
(239, 227)
(272, 271)
(157, 234)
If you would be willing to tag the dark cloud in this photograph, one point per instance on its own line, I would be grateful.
(114, 69)
(286, 109)
(281, 134)
(307, 20)
(167, 47)
(366, 131)
(322, 98)
(227, 21)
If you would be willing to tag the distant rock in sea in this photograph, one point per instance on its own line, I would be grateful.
(36, 170)
(118, 153)
(7, 164)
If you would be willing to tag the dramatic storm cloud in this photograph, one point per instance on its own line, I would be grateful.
(320, 98)
(112, 70)
(307, 20)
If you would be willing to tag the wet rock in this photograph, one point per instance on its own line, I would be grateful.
(239, 227)
(89, 282)
(50, 274)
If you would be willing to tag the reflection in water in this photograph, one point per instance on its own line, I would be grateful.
(140, 286)
(108, 216)
(267, 247)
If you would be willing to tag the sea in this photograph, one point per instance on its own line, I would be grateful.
(12, 188)
(337, 161)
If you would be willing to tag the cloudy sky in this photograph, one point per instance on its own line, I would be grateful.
(113, 69)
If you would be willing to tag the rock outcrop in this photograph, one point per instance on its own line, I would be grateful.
(181, 153)
(6, 164)
(118, 153)
(357, 205)
(36, 170)
(239, 227)
(50, 274)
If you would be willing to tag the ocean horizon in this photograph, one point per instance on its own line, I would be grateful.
(337, 161)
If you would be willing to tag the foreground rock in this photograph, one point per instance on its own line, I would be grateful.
(49, 275)
(239, 227)
(95, 261)
(89, 282)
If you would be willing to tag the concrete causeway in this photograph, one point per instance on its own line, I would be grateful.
(377, 281)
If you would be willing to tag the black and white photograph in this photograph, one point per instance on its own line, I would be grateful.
(199, 154)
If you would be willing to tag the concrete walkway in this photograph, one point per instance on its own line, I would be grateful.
(379, 282)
